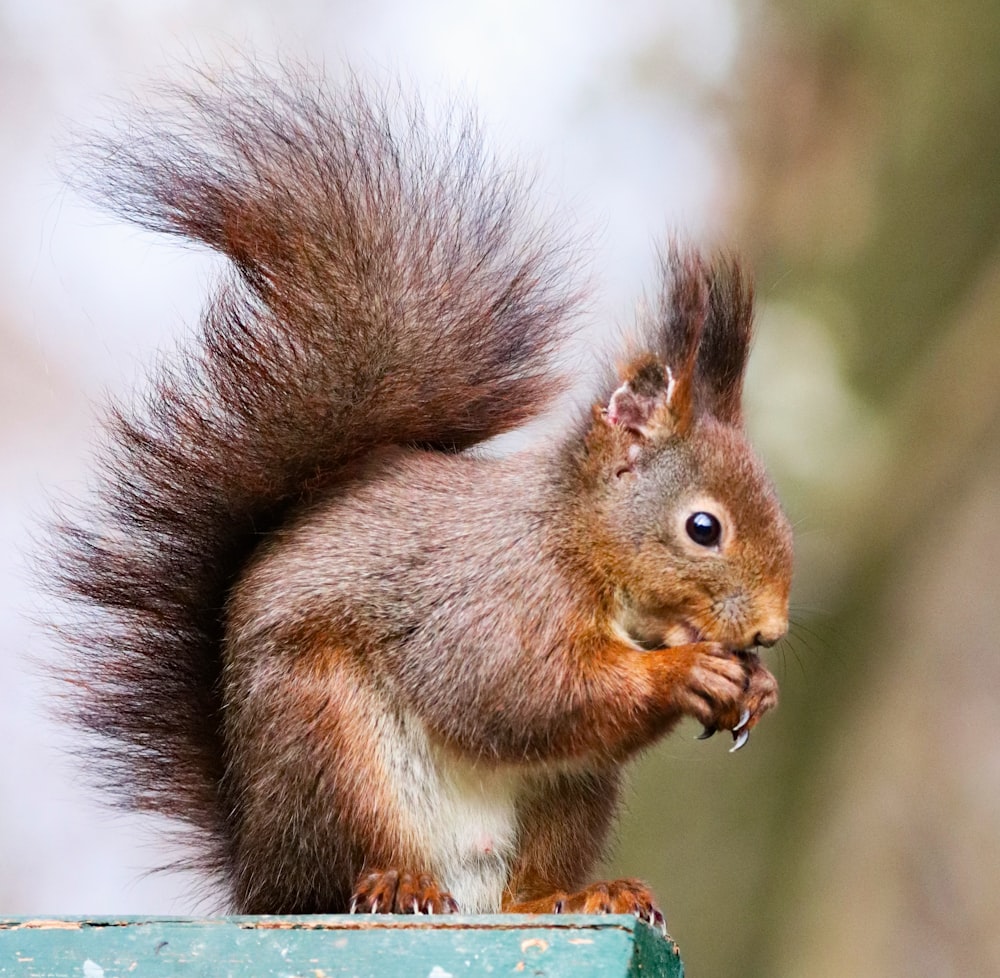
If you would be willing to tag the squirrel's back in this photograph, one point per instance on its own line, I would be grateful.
(389, 284)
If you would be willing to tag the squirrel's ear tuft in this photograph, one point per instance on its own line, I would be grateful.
(697, 340)
(725, 342)
(684, 305)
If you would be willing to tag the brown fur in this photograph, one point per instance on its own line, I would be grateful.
(329, 639)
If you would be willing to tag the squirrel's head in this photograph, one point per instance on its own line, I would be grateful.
(699, 548)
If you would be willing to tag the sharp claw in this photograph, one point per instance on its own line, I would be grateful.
(706, 733)
(657, 920)
(416, 906)
(354, 905)
(739, 740)
(744, 716)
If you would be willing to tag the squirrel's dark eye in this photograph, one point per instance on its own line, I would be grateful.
(704, 529)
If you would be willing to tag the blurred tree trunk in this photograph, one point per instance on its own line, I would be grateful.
(863, 836)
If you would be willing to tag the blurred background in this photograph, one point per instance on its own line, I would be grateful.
(851, 150)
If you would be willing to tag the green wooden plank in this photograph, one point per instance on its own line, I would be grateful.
(337, 947)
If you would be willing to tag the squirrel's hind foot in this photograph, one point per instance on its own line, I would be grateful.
(619, 896)
(397, 891)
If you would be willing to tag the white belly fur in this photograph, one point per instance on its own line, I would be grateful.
(462, 816)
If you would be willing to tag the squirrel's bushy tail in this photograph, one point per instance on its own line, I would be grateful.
(389, 284)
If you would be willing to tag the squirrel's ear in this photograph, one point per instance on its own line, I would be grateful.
(725, 342)
(651, 403)
(657, 397)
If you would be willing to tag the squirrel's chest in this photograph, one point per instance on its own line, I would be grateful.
(458, 817)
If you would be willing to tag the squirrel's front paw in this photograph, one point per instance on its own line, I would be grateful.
(393, 891)
(729, 691)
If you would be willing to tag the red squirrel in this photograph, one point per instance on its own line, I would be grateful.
(374, 668)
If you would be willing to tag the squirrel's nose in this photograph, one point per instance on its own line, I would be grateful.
(771, 633)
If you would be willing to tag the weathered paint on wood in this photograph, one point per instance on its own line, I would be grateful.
(337, 947)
